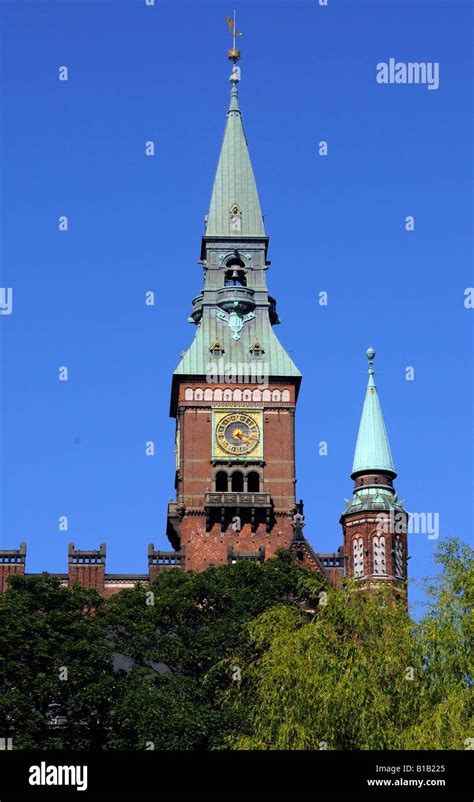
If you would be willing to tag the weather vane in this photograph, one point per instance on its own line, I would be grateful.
(234, 54)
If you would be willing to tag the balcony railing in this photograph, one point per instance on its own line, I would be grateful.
(238, 500)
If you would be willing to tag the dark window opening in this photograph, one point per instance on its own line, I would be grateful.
(237, 482)
(253, 482)
(222, 482)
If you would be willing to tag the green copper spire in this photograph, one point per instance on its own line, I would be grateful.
(234, 315)
(372, 449)
(235, 207)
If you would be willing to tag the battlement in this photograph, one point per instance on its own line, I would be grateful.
(81, 557)
(333, 560)
(86, 567)
(13, 556)
(159, 561)
(12, 561)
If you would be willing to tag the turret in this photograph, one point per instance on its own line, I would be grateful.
(374, 521)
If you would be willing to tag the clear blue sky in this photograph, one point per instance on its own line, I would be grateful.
(336, 224)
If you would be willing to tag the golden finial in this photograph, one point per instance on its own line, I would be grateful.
(234, 54)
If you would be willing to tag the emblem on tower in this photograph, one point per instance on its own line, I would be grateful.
(235, 319)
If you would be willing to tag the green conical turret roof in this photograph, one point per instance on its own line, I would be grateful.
(234, 184)
(372, 449)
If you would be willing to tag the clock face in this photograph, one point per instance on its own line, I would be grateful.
(237, 433)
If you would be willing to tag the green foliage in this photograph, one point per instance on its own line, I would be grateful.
(360, 674)
(171, 650)
(45, 629)
(243, 657)
(446, 636)
(179, 646)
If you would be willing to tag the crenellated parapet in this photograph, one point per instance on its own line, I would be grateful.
(87, 568)
(12, 561)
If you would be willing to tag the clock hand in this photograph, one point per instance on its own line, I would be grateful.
(238, 434)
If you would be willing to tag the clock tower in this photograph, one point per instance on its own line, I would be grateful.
(235, 389)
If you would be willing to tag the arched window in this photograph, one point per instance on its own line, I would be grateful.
(266, 395)
(285, 396)
(237, 395)
(378, 547)
(257, 395)
(208, 394)
(198, 394)
(276, 395)
(358, 551)
(188, 394)
(253, 482)
(399, 557)
(237, 482)
(222, 482)
(227, 395)
(218, 395)
(247, 396)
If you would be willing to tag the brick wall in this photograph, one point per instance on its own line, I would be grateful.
(6, 571)
(210, 548)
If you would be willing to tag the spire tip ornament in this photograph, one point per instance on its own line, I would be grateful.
(370, 353)
(233, 54)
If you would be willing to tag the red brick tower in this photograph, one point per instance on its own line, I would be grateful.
(234, 392)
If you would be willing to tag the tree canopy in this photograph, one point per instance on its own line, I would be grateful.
(237, 657)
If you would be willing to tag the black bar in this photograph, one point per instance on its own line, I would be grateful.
(242, 776)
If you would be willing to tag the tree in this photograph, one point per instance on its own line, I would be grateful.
(359, 674)
(56, 676)
(177, 643)
(136, 671)
(244, 656)
(446, 636)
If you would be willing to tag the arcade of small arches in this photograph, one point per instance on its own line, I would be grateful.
(237, 481)
(260, 396)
